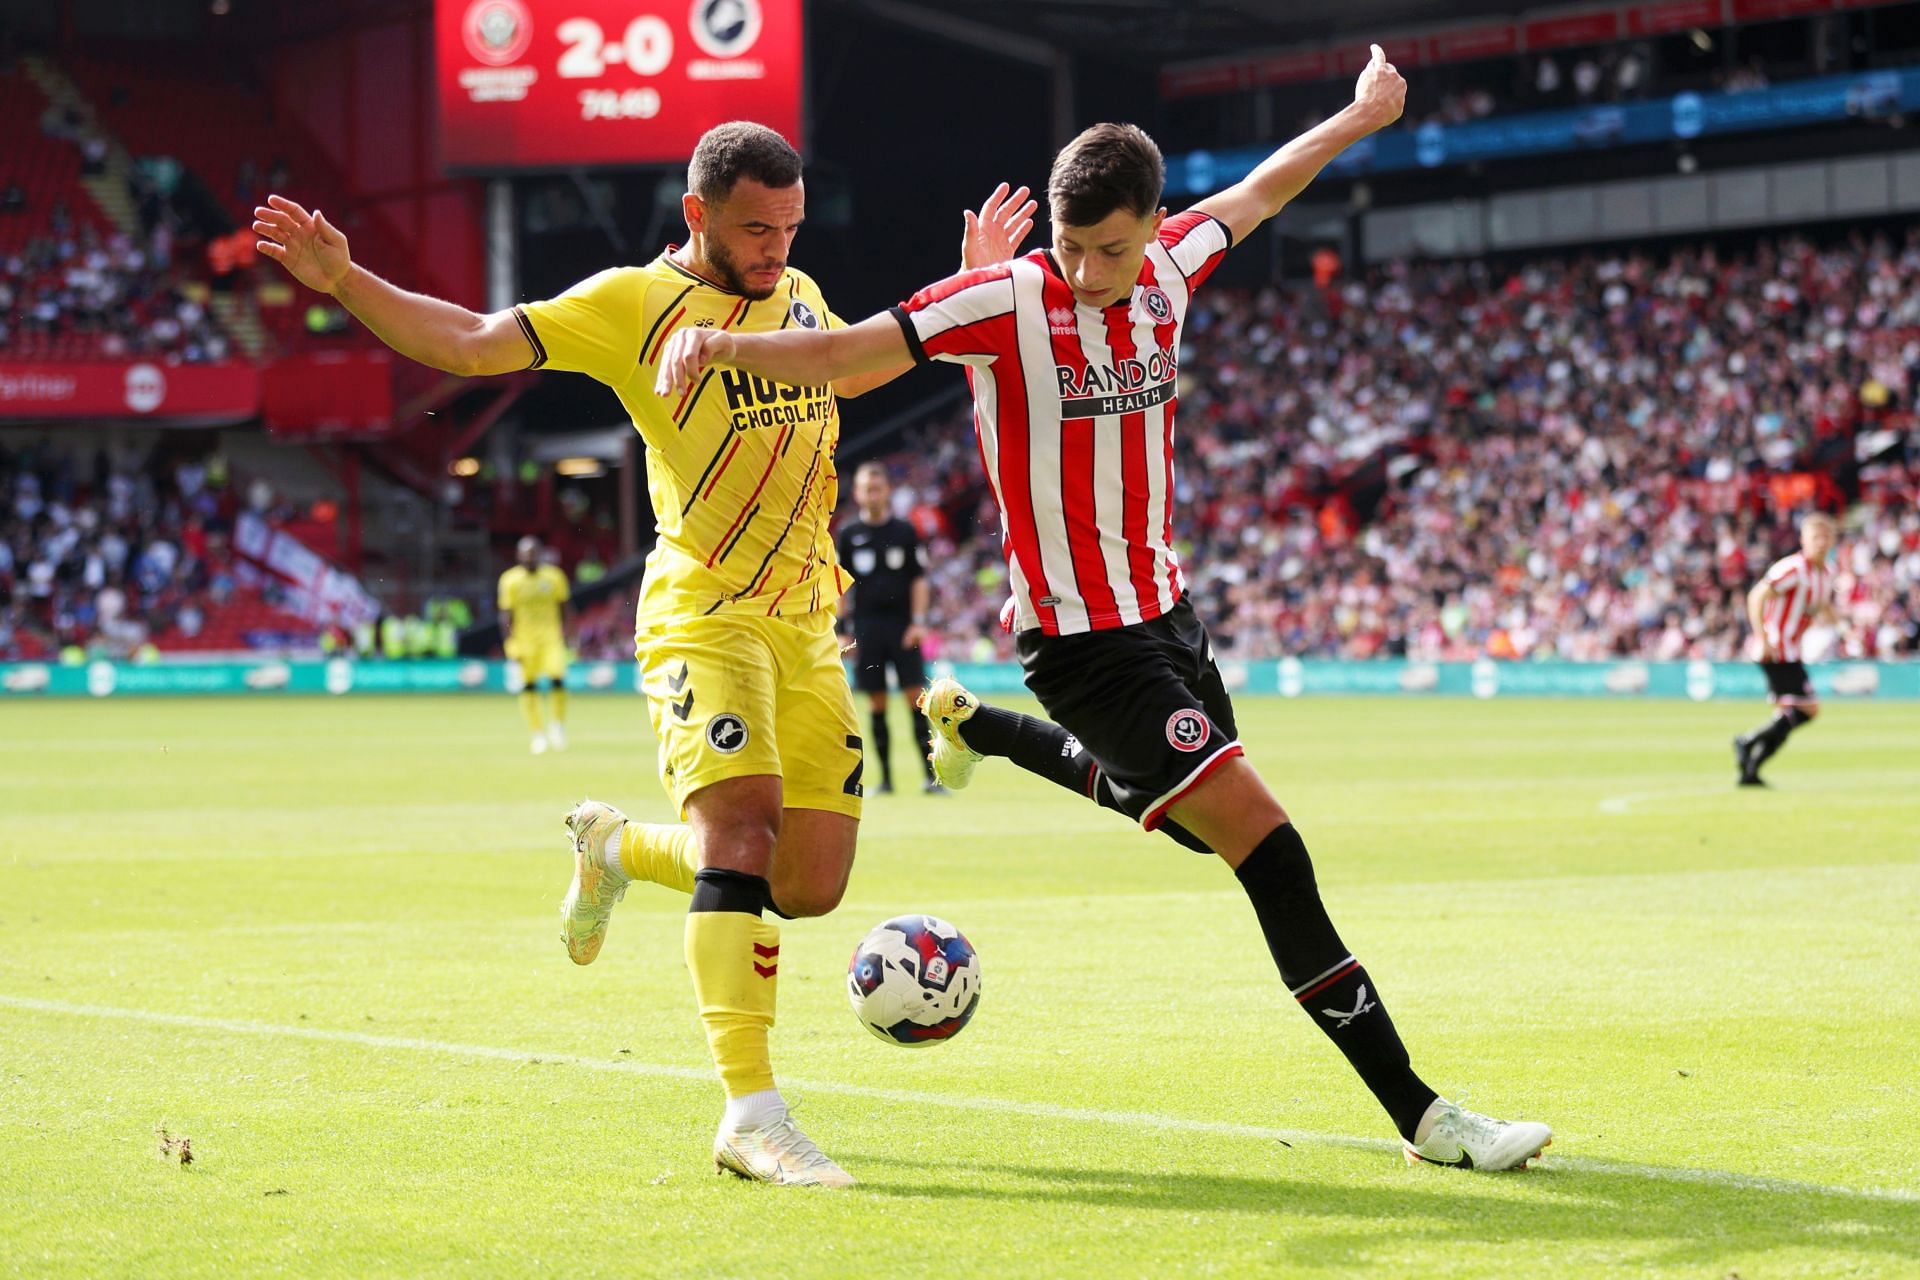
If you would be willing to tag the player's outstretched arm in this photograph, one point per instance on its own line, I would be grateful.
(797, 357)
(993, 234)
(1378, 98)
(443, 335)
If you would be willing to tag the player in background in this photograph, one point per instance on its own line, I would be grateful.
(1781, 606)
(889, 612)
(760, 751)
(1072, 356)
(533, 631)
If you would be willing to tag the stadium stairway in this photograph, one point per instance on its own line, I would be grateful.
(239, 316)
(108, 187)
(47, 168)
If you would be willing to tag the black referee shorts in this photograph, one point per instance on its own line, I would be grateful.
(882, 644)
(1146, 702)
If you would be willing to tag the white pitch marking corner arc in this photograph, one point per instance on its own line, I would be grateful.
(911, 1097)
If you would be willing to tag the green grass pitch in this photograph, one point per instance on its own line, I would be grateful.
(319, 940)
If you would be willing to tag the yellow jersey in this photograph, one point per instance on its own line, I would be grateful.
(533, 597)
(740, 470)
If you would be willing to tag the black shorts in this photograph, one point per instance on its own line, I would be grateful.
(1788, 682)
(1146, 702)
(882, 644)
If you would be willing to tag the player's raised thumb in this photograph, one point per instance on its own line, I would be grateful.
(1379, 54)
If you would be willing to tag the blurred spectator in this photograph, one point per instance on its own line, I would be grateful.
(87, 295)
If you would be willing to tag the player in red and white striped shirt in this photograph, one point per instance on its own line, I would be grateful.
(1072, 354)
(1781, 606)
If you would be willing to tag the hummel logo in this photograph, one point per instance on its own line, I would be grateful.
(683, 708)
(1360, 1005)
(766, 953)
(1061, 320)
(676, 683)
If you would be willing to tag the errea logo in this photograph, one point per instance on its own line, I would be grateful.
(1062, 322)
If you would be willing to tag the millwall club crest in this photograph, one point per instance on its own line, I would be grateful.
(1155, 304)
(803, 315)
(726, 733)
(725, 28)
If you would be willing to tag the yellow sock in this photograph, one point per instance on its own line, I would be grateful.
(530, 708)
(733, 957)
(559, 706)
(664, 852)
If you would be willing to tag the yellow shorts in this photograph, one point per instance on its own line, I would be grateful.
(734, 696)
(540, 656)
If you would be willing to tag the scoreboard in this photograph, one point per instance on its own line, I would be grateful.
(559, 83)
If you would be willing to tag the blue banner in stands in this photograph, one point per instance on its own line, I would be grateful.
(1867, 95)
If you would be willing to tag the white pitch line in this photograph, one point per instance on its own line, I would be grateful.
(916, 1098)
(1617, 805)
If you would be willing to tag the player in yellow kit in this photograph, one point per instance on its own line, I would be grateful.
(533, 609)
(759, 747)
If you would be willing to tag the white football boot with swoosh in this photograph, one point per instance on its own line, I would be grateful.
(1464, 1139)
(776, 1152)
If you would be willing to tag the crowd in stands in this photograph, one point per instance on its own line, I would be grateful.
(84, 294)
(1582, 457)
(73, 288)
(107, 557)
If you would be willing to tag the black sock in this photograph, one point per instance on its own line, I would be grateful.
(1043, 747)
(922, 738)
(1325, 978)
(1773, 736)
(883, 744)
(718, 889)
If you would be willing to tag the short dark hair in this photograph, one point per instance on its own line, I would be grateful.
(1108, 167)
(740, 149)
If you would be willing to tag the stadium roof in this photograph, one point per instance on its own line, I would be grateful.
(1156, 32)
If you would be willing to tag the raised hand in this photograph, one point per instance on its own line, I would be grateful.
(994, 234)
(313, 250)
(1380, 91)
(687, 356)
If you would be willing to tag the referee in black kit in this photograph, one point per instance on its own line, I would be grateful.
(889, 613)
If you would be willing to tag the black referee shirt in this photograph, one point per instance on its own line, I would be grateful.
(884, 559)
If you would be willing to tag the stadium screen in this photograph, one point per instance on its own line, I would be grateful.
(547, 83)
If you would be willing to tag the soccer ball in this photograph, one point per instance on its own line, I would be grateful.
(914, 980)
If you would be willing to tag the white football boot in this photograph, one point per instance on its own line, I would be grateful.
(1464, 1139)
(557, 736)
(589, 902)
(538, 744)
(777, 1152)
(947, 706)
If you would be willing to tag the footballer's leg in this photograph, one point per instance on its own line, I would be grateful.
(881, 735)
(1232, 809)
(733, 953)
(530, 708)
(557, 711)
(822, 766)
(1795, 704)
(965, 731)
